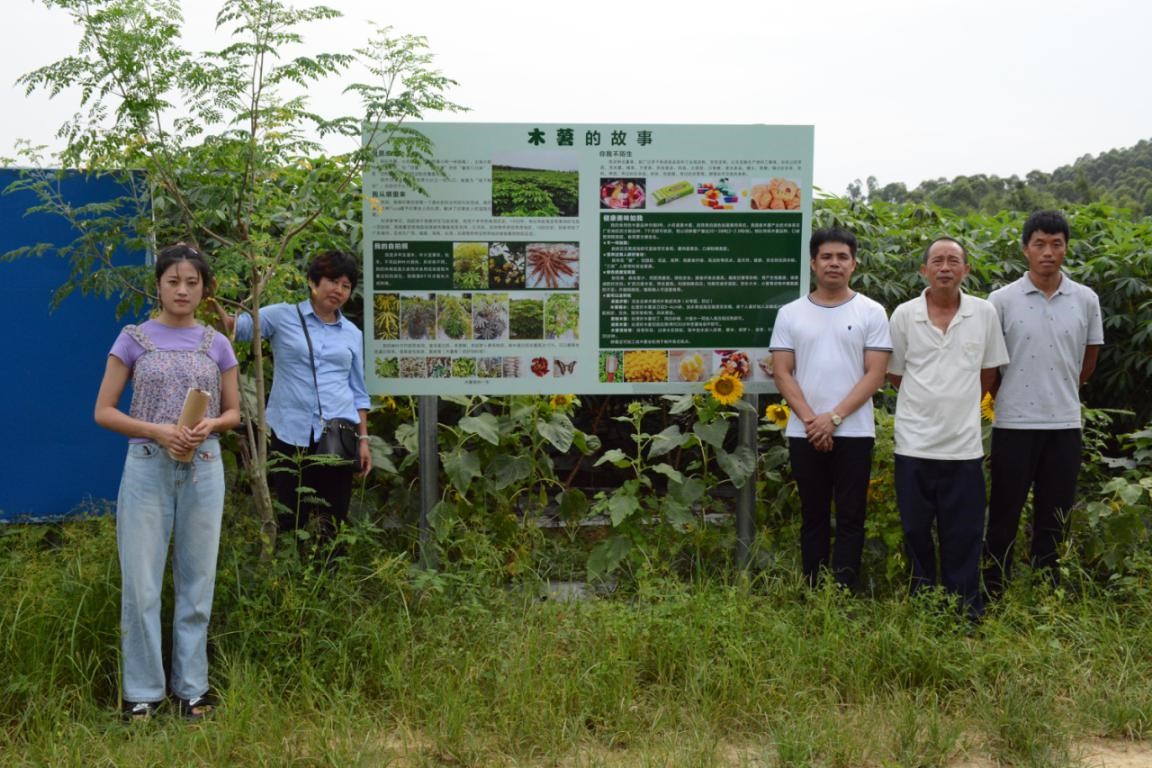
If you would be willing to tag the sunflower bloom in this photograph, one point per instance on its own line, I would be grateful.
(561, 402)
(988, 407)
(777, 414)
(726, 388)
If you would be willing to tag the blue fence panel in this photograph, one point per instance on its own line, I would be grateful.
(55, 462)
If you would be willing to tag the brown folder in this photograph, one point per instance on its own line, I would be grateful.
(195, 406)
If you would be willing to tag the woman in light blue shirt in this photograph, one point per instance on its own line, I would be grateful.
(300, 402)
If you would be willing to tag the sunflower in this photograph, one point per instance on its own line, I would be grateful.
(988, 407)
(726, 388)
(389, 403)
(561, 402)
(777, 414)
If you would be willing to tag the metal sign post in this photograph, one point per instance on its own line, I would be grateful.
(428, 421)
(747, 422)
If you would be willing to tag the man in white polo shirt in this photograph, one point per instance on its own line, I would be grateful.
(946, 346)
(829, 353)
(1053, 328)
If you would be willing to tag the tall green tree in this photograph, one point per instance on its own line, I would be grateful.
(221, 148)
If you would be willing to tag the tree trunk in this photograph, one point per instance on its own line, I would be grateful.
(257, 434)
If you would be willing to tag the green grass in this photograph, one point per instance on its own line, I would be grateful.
(373, 664)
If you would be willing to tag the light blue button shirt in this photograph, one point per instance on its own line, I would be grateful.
(339, 351)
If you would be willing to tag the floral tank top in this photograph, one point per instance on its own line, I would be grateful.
(161, 378)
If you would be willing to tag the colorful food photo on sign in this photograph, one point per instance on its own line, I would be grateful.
(734, 363)
(719, 194)
(537, 183)
(644, 366)
(609, 365)
(622, 194)
(554, 266)
(689, 364)
(763, 370)
(777, 194)
(667, 191)
(540, 367)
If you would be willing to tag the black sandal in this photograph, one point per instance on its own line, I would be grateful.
(139, 711)
(197, 708)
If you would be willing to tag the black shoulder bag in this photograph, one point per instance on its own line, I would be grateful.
(339, 437)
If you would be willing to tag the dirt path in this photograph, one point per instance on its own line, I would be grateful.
(1092, 753)
(1109, 753)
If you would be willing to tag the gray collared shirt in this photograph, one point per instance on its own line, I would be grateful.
(1046, 339)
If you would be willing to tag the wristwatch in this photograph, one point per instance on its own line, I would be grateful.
(836, 420)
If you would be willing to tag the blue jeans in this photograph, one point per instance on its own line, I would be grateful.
(160, 500)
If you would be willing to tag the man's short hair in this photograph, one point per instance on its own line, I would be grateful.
(946, 239)
(831, 235)
(1048, 222)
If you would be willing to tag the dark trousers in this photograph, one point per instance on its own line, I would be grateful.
(838, 476)
(1047, 462)
(950, 494)
(309, 491)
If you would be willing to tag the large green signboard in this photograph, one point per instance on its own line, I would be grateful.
(585, 258)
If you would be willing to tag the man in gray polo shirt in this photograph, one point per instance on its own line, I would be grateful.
(1053, 330)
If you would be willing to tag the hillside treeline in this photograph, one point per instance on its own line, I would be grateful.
(1118, 178)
